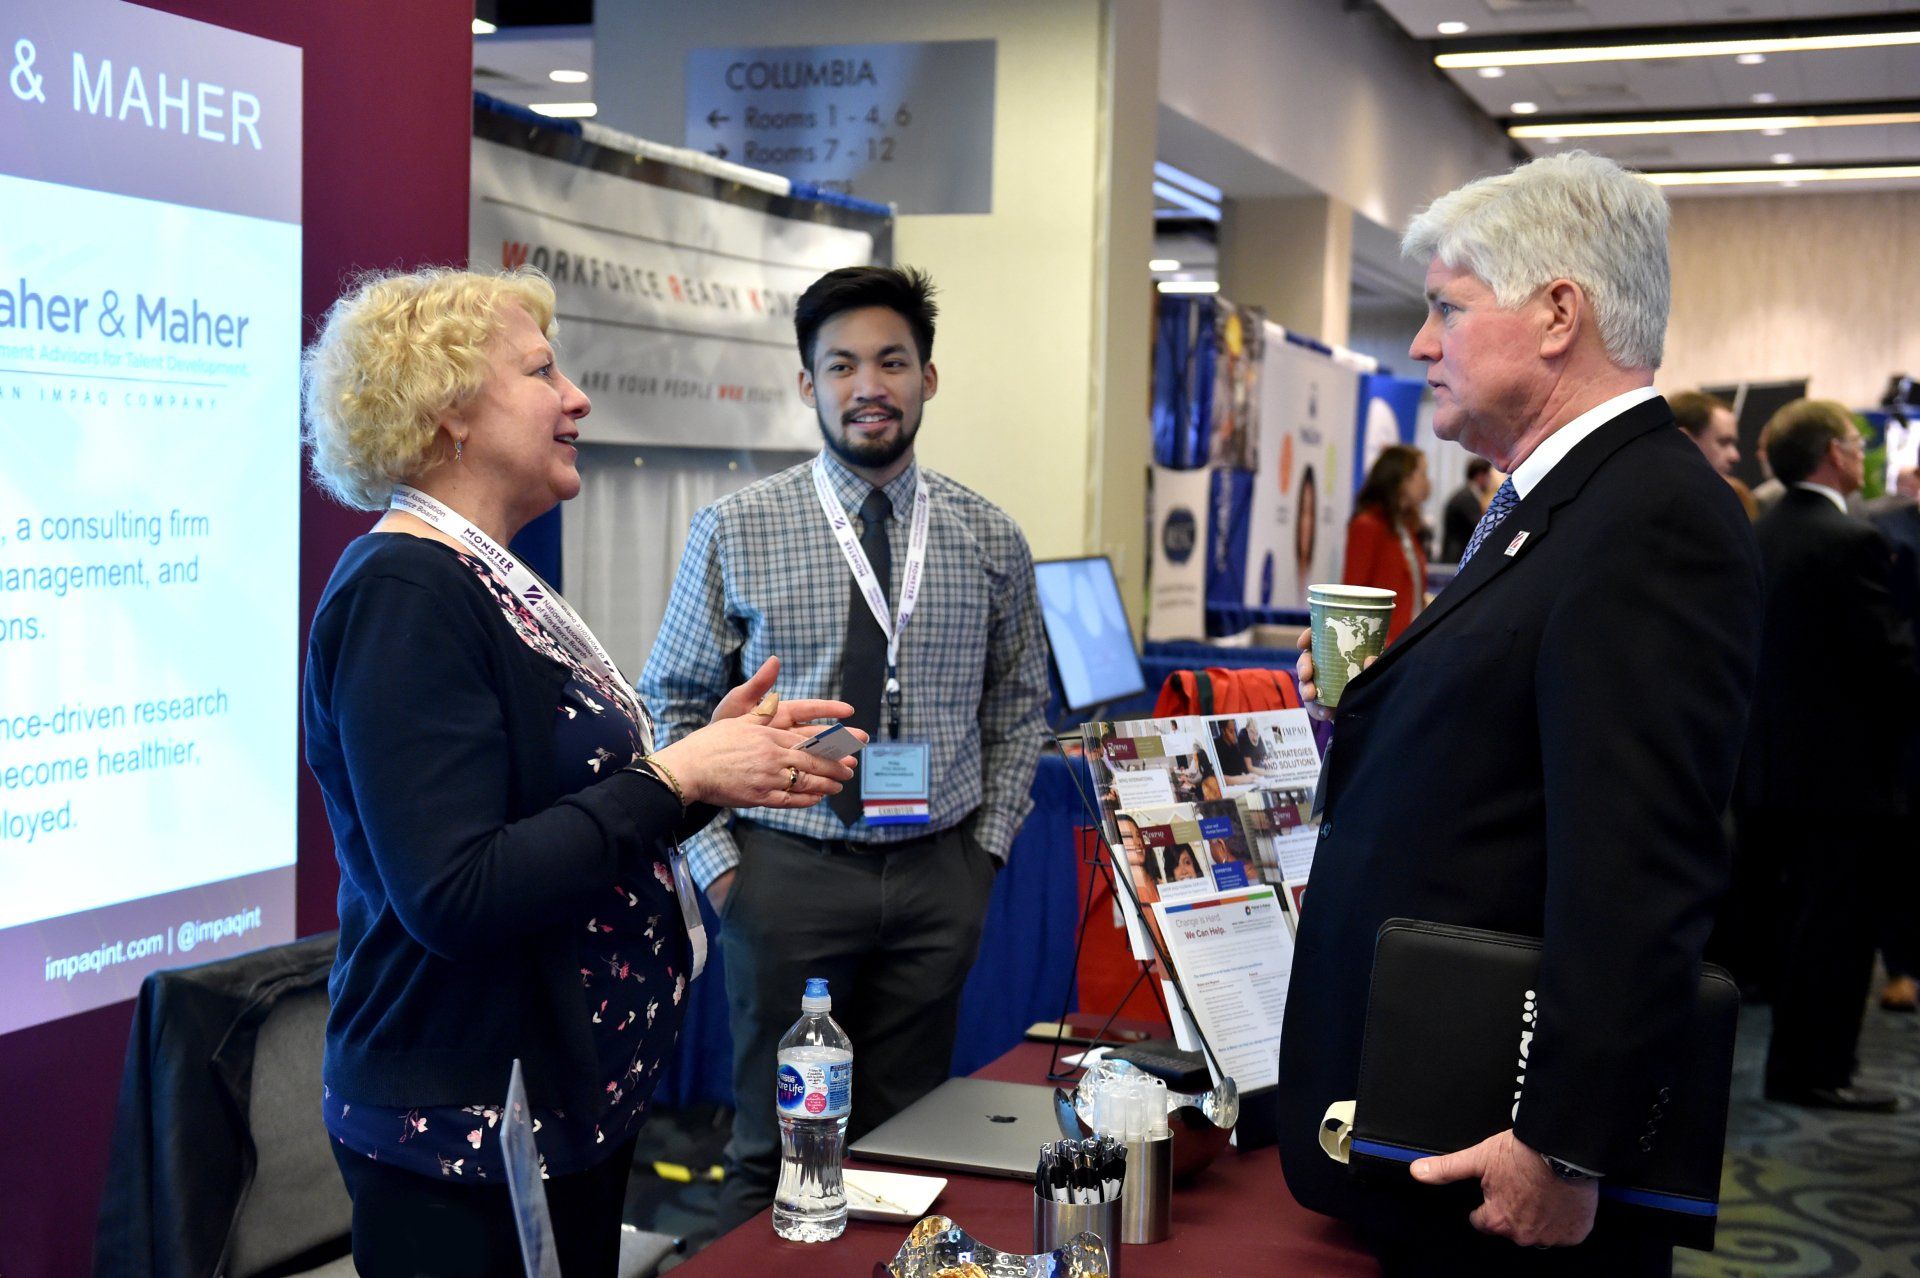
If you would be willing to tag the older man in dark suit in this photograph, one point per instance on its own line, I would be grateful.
(1821, 785)
(1588, 671)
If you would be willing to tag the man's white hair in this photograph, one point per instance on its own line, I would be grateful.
(1575, 216)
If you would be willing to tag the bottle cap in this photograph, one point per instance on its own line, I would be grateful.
(816, 999)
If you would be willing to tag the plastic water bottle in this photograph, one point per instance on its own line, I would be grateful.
(814, 1095)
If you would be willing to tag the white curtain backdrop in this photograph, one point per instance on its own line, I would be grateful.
(621, 538)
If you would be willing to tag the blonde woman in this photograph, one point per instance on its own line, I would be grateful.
(509, 886)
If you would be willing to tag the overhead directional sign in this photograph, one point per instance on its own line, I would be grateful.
(906, 124)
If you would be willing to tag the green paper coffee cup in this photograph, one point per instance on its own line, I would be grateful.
(1347, 629)
(1337, 593)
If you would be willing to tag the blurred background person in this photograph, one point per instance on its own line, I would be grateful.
(1819, 789)
(1709, 422)
(506, 840)
(1384, 535)
(1897, 516)
(1464, 509)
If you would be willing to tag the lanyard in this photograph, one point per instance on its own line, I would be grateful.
(559, 620)
(555, 614)
(875, 590)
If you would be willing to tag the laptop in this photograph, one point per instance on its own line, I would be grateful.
(968, 1125)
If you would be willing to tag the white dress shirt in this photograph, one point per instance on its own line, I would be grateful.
(1528, 474)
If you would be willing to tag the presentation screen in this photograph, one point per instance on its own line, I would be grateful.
(149, 498)
(1087, 629)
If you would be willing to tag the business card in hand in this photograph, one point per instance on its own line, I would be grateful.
(836, 742)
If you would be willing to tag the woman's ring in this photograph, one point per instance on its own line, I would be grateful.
(793, 778)
(768, 704)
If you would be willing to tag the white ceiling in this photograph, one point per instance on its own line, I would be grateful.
(513, 63)
(1685, 84)
(1516, 17)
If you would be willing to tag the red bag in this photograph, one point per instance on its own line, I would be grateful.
(1220, 691)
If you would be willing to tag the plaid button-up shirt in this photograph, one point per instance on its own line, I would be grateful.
(762, 576)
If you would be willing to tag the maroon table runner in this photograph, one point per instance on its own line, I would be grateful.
(1236, 1217)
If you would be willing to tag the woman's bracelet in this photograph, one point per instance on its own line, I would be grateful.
(661, 770)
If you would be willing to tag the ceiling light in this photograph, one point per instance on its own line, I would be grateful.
(1770, 125)
(1751, 59)
(1785, 177)
(1187, 181)
(1492, 73)
(568, 77)
(1188, 286)
(1525, 108)
(482, 27)
(1555, 140)
(1163, 264)
(1790, 183)
(1674, 49)
(1764, 99)
(1452, 28)
(1191, 204)
(1781, 157)
(565, 110)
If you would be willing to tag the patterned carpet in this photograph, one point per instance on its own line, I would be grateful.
(1807, 1192)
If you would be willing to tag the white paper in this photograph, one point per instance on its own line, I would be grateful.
(1233, 954)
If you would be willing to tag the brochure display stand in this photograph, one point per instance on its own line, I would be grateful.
(1208, 847)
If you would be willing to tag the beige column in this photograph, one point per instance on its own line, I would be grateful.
(1043, 343)
(1293, 256)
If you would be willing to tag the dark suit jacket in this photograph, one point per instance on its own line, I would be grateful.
(1458, 522)
(1547, 750)
(1817, 742)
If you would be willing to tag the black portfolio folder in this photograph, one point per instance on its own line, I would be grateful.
(1445, 1020)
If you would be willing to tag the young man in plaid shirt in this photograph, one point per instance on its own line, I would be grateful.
(883, 889)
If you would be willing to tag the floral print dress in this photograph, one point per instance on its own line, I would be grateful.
(634, 960)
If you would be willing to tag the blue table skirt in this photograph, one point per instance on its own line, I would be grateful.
(1024, 973)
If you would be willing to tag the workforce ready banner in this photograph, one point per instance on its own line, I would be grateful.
(149, 498)
(675, 309)
(1302, 494)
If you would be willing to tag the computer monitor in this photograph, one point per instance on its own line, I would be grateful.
(1088, 632)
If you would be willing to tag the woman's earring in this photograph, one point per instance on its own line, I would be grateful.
(458, 445)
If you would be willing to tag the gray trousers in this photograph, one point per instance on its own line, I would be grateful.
(894, 931)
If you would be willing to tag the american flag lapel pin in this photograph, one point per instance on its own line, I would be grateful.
(1513, 547)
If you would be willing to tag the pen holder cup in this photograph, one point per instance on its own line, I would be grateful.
(1054, 1223)
(1146, 1195)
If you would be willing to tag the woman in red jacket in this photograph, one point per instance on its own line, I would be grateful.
(1383, 538)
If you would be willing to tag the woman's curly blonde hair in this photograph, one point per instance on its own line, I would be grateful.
(395, 354)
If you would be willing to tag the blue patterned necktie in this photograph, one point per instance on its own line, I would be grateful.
(1498, 509)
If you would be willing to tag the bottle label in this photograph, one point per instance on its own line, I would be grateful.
(815, 1089)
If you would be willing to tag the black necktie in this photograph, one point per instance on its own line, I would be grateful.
(863, 663)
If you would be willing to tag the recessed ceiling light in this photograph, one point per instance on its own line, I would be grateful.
(565, 110)
(1772, 126)
(1785, 177)
(1163, 264)
(1751, 59)
(1674, 49)
(1492, 73)
(1188, 286)
(1525, 108)
(1452, 28)
(1790, 183)
(482, 27)
(568, 77)
(1764, 99)
(1553, 141)
(1782, 157)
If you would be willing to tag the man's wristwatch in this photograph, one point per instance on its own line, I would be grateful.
(1566, 1170)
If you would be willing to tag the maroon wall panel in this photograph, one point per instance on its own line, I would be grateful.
(388, 107)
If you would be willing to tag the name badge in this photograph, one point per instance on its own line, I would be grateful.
(893, 782)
